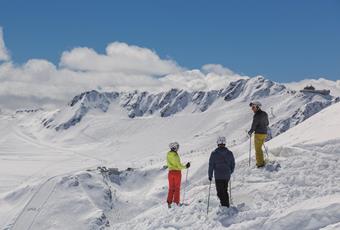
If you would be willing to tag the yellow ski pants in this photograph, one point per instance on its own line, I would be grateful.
(259, 141)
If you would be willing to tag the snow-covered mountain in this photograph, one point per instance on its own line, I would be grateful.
(49, 160)
(138, 104)
(297, 106)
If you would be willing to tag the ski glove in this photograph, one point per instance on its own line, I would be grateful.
(187, 165)
(210, 178)
(250, 132)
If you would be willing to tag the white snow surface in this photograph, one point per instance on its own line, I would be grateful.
(50, 180)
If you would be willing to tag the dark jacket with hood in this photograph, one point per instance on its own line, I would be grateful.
(221, 163)
(260, 122)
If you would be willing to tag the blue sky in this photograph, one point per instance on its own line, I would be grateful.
(282, 40)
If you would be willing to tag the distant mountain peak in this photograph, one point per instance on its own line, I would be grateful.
(164, 104)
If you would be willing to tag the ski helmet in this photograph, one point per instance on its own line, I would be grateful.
(174, 146)
(255, 103)
(221, 141)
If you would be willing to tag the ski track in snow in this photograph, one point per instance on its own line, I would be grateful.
(41, 195)
(32, 209)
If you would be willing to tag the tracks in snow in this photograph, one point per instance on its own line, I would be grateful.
(27, 216)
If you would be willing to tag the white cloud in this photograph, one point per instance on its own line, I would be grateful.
(123, 67)
(120, 58)
(210, 77)
(217, 69)
(4, 55)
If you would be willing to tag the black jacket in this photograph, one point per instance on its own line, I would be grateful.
(260, 122)
(222, 163)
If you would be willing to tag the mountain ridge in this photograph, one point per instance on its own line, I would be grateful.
(165, 104)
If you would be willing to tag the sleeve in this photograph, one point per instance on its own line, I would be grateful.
(266, 120)
(254, 124)
(211, 166)
(176, 162)
(180, 165)
(232, 164)
(168, 160)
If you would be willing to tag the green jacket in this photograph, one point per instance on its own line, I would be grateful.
(174, 162)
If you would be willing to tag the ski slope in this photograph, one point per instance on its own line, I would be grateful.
(50, 180)
(303, 194)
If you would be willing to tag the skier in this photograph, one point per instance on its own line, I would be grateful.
(174, 176)
(260, 127)
(222, 164)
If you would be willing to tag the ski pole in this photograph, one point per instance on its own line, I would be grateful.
(208, 198)
(186, 184)
(265, 148)
(231, 199)
(249, 149)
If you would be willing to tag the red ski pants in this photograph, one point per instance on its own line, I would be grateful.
(174, 178)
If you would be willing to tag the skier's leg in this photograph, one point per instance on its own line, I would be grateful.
(259, 140)
(225, 197)
(171, 190)
(218, 190)
(177, 187)
(222, 191)
(263, 139)
(227, 194)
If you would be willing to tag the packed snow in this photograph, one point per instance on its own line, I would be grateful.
(106, 171)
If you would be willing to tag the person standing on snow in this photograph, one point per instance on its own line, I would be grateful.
(222, 165)
(260, 127)
(174, 176)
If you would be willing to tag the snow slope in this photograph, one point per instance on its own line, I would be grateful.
(49, 179)
(303, 194)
